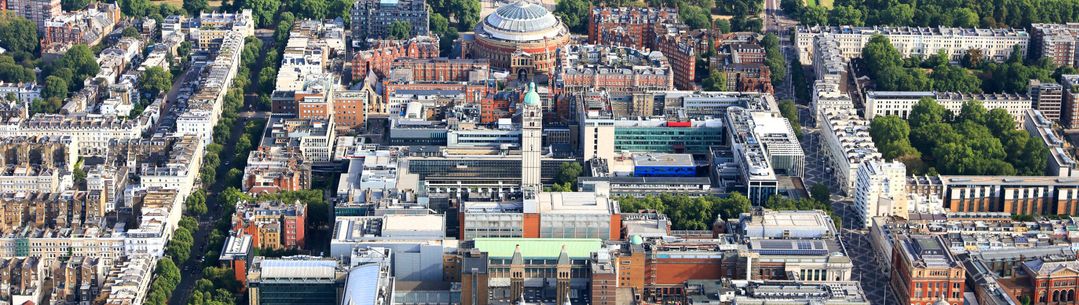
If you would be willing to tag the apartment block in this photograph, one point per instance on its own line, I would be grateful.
(581, 68)
(899, 103)
(371, 19)
(846, 144)
(995, 44)
(1061, 161)
(1057, 42)
(881, 190)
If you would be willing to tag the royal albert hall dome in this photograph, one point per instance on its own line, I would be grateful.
(521, 37)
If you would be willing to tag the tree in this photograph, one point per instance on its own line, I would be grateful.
(79, 175)
(774, 58)
(180, 245)
(846, 15)
(262, 11)
(820, 193)
(999, 121)
(467, 13)
(723, 26)
(55, 87)
(568, 173)
(574, 14)
(49, 105)
(341, 9)
(879, 54)
(716, 81)
(965, 17)
(14, 73)
(814, 15)
(891, 134)
(18, 35)
(694, 16)
(899, 14)
(82, 62)
(951, 78)
(312, 9)
(926, 112)
(135, 7)
(790, 111)
(73, 5)
(194, 7)
(972, 111)
(130, 32)
(400, 29)
(156, 80)
(973, 58)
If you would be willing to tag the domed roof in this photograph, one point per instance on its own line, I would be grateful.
(531, 97)
(636, 239)
(521, 17)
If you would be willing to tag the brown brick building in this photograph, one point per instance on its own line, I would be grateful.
(628, 26)
(380, 57)
(442, 69)
(924, 271)
(682, 56)
(583, 68)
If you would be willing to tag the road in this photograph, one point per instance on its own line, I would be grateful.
(868, 264)
(191, 270)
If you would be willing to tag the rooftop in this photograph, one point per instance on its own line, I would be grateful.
(541, 248)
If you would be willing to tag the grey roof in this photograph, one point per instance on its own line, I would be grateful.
(522, 16)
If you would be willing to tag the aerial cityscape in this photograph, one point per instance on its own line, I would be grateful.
(560, 152)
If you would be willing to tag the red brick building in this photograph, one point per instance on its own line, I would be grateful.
(924, 271)
(583, 68)
(1052, 282)
(383, 53)
(628, 26)
(474, 92)
(496, 106)
(682, 56)
(275, 169)
(443, 69)
(272, 224)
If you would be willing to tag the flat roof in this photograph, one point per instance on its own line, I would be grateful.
(577, 248)
(659, 159)
(413, 223)
(571, 203)
(791, 218)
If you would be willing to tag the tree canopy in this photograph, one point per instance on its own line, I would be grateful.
(156, 80)
(948, 13)
(574, 13)
(689, 213)
(975, 142)
(400, 29)
(18, 36)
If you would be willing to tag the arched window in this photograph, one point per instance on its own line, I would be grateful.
(1041, 297)
(1071, 295)
(1056, 295)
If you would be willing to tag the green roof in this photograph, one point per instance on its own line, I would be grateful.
(531, 97)
(543, 248)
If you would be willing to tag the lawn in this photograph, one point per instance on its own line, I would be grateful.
(824, 3)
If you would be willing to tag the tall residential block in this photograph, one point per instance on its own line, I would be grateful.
(372, 19)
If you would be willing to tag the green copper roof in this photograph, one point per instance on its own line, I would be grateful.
(543, 248)
(531, 97)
